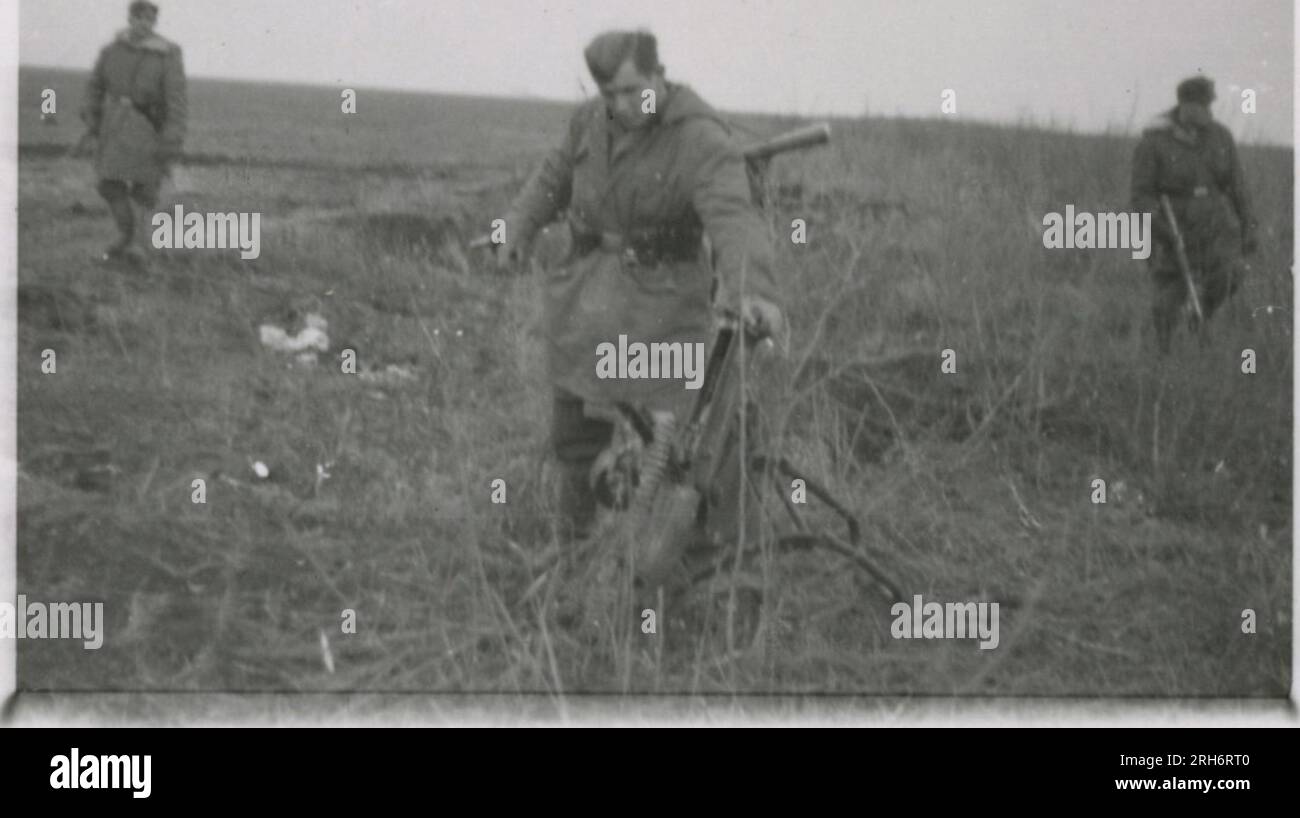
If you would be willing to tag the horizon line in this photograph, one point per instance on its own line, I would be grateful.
(1118, 132)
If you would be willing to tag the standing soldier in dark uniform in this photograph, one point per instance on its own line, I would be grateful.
(645, 173)
(1193, 160)
(135, 113)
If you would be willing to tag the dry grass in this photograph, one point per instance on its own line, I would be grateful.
(923, 237)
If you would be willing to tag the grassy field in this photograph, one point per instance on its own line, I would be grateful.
(923, 236)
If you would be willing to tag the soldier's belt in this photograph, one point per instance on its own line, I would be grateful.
(145, 111)
(650, 249)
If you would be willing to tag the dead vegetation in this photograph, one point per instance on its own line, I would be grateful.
(975, 485)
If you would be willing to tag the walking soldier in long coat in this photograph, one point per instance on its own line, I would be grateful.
(135, 115)
(645, 173)
(1192, 160)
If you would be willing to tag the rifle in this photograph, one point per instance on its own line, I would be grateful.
(756, 157)
(1180, 253)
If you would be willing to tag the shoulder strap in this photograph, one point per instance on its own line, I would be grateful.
(147, 111)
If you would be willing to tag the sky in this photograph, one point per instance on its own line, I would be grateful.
(1089, 65)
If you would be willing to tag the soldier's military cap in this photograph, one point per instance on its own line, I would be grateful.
(1196, 89)
(143, 7)
(611, 49)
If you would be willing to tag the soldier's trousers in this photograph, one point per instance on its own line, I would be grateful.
(576, 440)
(1213, 287)
(119, 195)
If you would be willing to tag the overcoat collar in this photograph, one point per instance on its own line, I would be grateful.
(153, 42)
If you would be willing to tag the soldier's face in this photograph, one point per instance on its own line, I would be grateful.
(1195, 114)
(142, 24)
(626, 98)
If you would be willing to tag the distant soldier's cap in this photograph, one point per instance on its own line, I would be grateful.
(143, 7)
(1196, 89)
(611, 49)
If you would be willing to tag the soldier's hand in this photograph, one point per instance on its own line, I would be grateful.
(762, 317)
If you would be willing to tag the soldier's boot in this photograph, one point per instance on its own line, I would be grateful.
(577, 502)
(119, 206)
(1220, 287)
(577, 441)
(141, 251)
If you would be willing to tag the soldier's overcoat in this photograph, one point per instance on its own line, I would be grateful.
(1201, 174)
(653, 196)
(136, 104)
